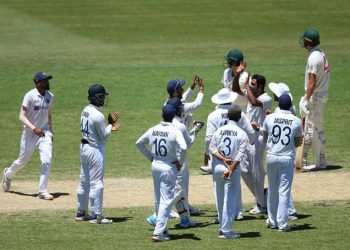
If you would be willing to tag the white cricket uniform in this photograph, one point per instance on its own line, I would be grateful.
(166, 141)
(182, 180)
(317, 64)
(245, 125)
(256, 151)
(92, 158)
(282, 127)
(38, 108)
(291, 209)
(215, 120)
(231, 141)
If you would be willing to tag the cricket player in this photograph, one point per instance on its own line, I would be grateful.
(233, 60)
(282, 132)
(92, 155)
(175, 89)
(35, 114)
(279, 89)
(317, 77)
(259, 104)
(182, 180)
(167, 143)
(228, 145)
(216, 119)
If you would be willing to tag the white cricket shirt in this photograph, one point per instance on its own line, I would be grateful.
(165, 141)
(258, 114)
(92, 126)
(38, 108)
(317, 64)
(282, 127)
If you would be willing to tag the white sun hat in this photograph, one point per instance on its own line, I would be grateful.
(279, 89)
(224, 96)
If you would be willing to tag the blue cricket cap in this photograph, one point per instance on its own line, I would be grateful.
(284, 102)
(168, 112)
(174, 85)
(176, 102)
(41, 76)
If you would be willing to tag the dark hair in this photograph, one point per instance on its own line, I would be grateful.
(176, 102)
(260, 80)
(234, 113)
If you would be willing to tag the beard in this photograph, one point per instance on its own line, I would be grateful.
(47, 87)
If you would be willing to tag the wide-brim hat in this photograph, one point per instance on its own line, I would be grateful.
(279, 89)
(224, 96)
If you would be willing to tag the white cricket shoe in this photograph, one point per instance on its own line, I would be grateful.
(207, 169)
(313, 167)
(6, 182)
(257, 209)
(98, 219)
(239, 216)
(285, 230)
(293, 216)
(174, 215)
(45, 195)
(229, 235)
(270, 225)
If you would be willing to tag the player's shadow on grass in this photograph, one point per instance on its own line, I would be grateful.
(303, 216)
(302, 227)
(250, 235)
(199, 224)
(119, 219)
(55, 195)
(184, 236)
(333, 167)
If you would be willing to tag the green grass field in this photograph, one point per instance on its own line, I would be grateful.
(134, 48)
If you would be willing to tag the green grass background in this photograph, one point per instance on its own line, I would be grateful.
(134, 48)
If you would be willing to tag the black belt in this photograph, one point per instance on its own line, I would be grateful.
(83, 141)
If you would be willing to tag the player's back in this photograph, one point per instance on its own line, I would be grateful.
(282, 127)
(162, 139)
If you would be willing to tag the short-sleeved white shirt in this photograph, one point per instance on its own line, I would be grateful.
(92, 125)
(38, 108)
(282, 127)
(317, 64)
(165, 141)
(258, 114)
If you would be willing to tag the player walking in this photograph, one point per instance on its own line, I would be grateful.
(317, 77)
(92, 155)
(165, 141)
(282, 132)
(228, 146)
(35, 115)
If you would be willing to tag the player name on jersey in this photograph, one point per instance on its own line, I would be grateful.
(85, 114)
(160, 133)
(228, 132)
(283, 121)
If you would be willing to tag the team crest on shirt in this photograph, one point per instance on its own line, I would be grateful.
(47, 100)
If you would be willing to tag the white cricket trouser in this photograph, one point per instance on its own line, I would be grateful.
(227, 195)
(316, 114)
(255, 180)
(280, 171)
(164, 178)
(29, 142)
(92, 170)
(181, 192)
